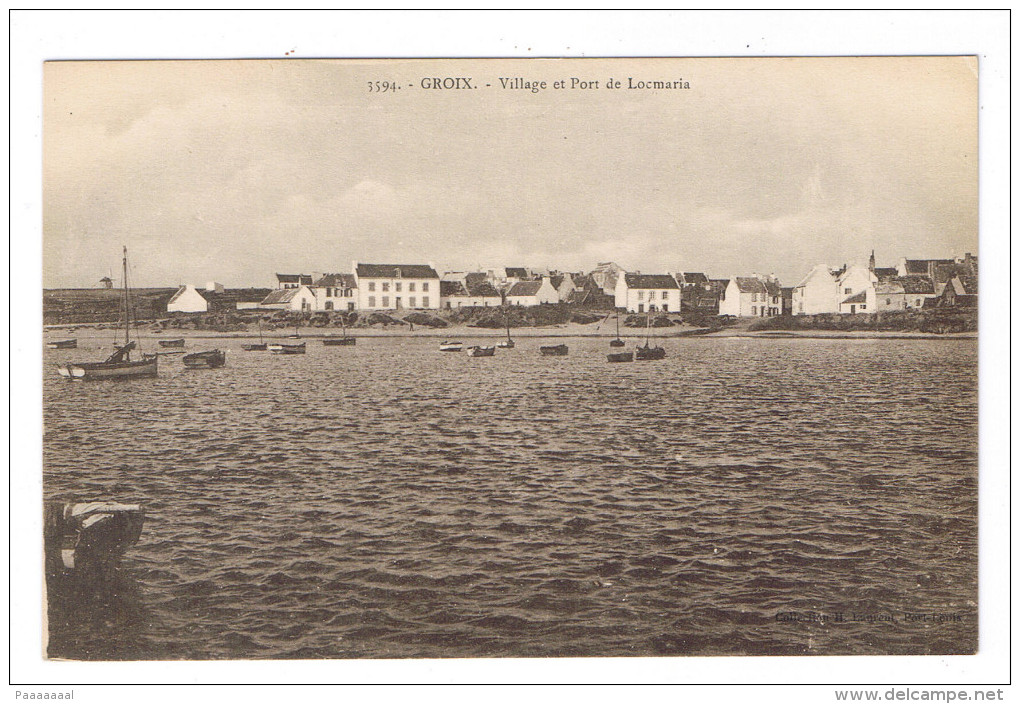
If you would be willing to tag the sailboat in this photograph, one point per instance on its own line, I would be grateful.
(509, 343)
(331, 341)
(259, 346)
(119, 364)
(617, 342)
(648, 352)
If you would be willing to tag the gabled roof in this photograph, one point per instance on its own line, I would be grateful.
(694, 277)
(305, 279)
(280, 295)
(483, 289)
(859, 297)
(516, 272)
(650, 281)
(180, 292)
(525, 288)
(452, 288)
(889, 286)
(338, 280)
(886, 272)
(473, 278)
(773, 287)
(965, 285)
(916, 284)
(397, 271)
(556, 280)
(750, 284)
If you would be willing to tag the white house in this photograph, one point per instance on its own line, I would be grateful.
(639, 293)
(752, 296)
(532, 293)
(856, 290)
(396, 286)
(214, 287)
(336, 292)
(817, 293)
(606, 275)
(301, 298)
(187, 299)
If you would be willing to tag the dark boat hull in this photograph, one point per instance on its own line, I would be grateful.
(205, 360)
(645, 354)
(621, 357)
(339, 341)
(147, 367)
(554, 350)
(86, 541)
(617, 343)
(255, 347)
(63, 344)
(171, 343)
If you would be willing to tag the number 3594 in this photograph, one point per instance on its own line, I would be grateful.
(382, 86)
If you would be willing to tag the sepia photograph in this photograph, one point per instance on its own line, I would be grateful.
(668, 359)
(417, 359)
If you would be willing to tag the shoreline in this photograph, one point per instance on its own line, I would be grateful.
(568, 330)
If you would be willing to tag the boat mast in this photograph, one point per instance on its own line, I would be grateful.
(127, 307)
(506, 318)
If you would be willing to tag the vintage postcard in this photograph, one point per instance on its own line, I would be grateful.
(510, 358)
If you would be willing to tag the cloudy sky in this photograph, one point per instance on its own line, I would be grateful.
(234, 170)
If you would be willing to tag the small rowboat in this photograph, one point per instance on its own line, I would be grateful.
(621, 357)
(284, 348)
(477, 351)
(172, 343)
(254, 347)
(205, 360)
(446, 346)
(554, 350)
(339, 341)
(63, 344)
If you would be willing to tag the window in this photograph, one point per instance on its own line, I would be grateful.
(371, 286)
(863, 306)
(665, 295)
(888, 301)
(425, 287)
(754, 310)
(397, 285)
(371, 300)
(329, 305)
(385, 286)
(410, 301)
(425, 299)
(385, 299)
(410, 287)
(641, 295)
(848, 290)
(665, 307)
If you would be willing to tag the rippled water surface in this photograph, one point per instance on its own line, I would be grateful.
(389, 500)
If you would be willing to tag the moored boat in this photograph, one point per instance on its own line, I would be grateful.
(119, 364)
(259, 346)
(285, 348)
(63, 344)
(448, 346)
(210, 359)
(179, 342)
(647, 352)
(508, 343)
(617, 342)
(87, 540)
(620, 356)
(554, 350)
(339, 341)
(478, 351)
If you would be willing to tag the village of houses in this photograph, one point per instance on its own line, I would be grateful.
(913, 284)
